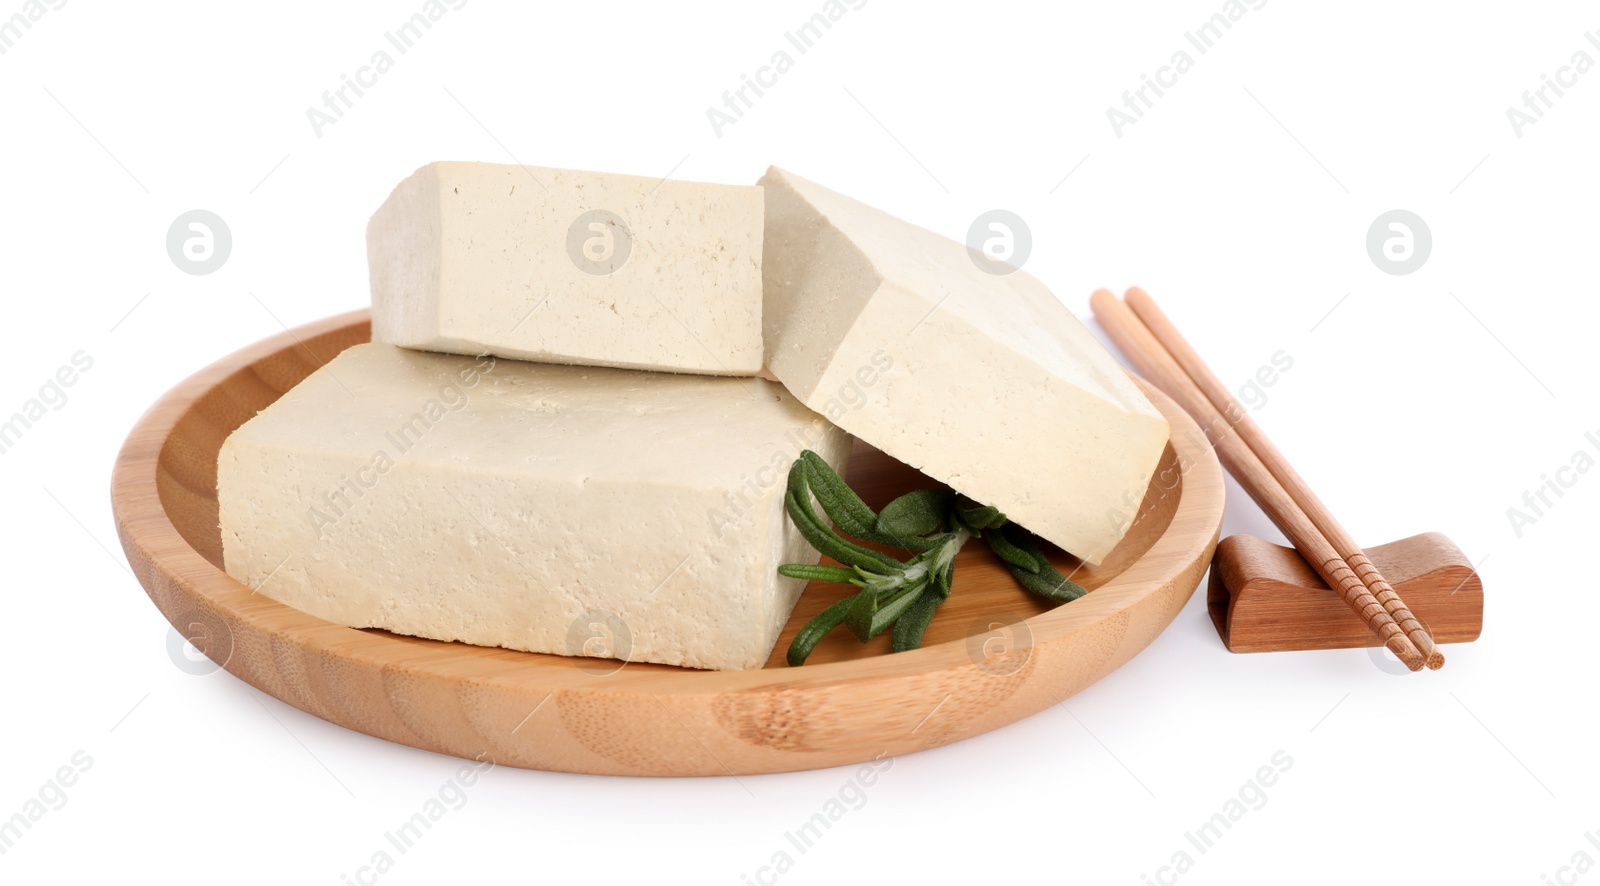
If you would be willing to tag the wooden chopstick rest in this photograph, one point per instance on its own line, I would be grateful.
(1265, 598)
(1343, 543)
(1159, 367)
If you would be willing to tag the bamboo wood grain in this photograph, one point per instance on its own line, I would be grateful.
(1166, 332)
(993, 653)
(1130, 333)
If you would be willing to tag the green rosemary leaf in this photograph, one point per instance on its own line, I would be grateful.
(815, 630)
(821, 537)
(980, 517)
(913, 624)
(859, 617)
(828, 542)
(848, 512)
(893, 609)
(1054, 586)
(933, 523)
(937, 541)
(824, 539)
(1010, 553)
(1047, 581)
(915, 513)
(820, 573)
(838, 500)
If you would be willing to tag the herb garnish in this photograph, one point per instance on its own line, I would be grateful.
(933, 524)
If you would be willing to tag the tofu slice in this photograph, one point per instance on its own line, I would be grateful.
(570, 267)
(982, 381)
(571, 510)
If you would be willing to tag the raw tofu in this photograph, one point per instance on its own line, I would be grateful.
(981, 381)
(573, 510)
(570, 267)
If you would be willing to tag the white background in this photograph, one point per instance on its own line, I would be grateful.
(1241, 200)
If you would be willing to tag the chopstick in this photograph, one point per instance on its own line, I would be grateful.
(1163, 370)
(1189, 360)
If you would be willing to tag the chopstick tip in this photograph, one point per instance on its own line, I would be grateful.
(1406, 652)
(1103, 300)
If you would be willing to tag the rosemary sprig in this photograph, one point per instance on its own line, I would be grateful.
(932, 524)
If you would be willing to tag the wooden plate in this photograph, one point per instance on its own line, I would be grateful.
(993, 654)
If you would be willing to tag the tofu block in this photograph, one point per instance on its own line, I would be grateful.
(572, 510)
(982, 381)
(570, 267)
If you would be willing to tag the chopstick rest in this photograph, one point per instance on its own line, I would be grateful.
(1264, 598)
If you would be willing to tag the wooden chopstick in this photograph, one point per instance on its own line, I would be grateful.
(1153, 361)
(1189, 360)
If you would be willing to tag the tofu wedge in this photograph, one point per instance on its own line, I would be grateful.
(562, 266)
(571, 510)
(983, 381)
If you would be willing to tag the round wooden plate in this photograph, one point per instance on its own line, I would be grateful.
(993, 654)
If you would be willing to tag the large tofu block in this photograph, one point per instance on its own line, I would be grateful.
(572, 510)
(570, 267)
(982, 381)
